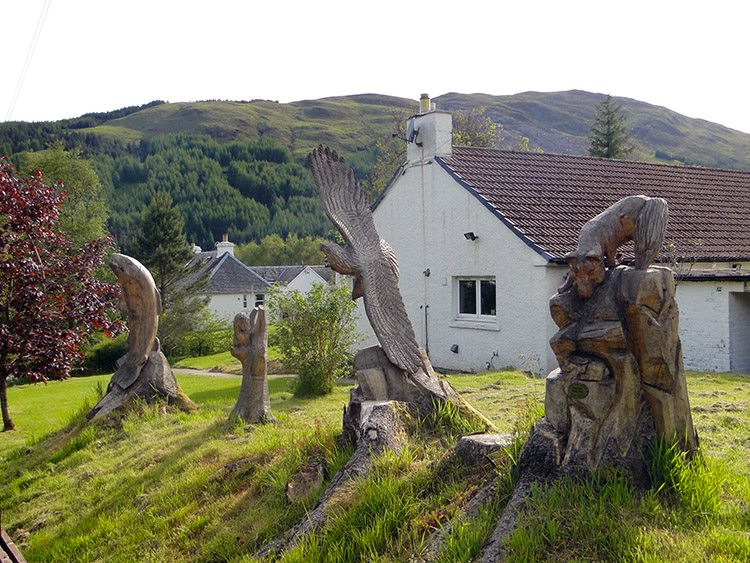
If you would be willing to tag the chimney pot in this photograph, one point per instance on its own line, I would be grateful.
(424, 103)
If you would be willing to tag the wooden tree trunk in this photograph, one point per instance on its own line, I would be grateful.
(250, 348)
(7, 421)
(155, 381)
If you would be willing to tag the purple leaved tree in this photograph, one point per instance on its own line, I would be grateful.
(50, 301)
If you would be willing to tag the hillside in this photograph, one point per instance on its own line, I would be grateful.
(556, 122)
(239, 167)
(153, 484)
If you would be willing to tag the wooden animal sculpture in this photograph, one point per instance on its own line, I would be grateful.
(250, 347)
(366, 257)
(638, 218)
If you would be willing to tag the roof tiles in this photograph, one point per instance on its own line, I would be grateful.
(548, 198)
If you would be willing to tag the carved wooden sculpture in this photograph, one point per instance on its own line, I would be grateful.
(249, 347)
(621, 380)
(373, 264)
(393, 378)
(144, 371)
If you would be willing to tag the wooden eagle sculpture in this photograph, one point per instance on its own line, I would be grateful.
(366, 257)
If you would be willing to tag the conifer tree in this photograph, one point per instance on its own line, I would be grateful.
(609, 136)
(161, 245)
(164, 250)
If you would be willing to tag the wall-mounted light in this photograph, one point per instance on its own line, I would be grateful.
(470, 236)
(454, 348)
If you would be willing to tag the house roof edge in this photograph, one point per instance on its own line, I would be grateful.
(530, 243)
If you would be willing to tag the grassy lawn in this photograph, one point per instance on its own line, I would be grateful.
(150, 485)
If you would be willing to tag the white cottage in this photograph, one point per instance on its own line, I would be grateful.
(233, 287)
(480, 236)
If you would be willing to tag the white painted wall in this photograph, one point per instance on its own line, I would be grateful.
(739, 331)
(305, 280)
(226, 306)
(704, 324)
(424, 217)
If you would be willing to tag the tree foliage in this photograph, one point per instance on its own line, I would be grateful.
(275, 251)
(474, 129)
(50, 301)
(161, 245)
(315, 334)
(246, 190)
(84, 212)
(163, 248)
(609, 136)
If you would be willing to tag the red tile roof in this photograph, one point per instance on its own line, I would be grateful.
(546, 198)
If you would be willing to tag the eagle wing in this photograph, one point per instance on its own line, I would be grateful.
(345, 205)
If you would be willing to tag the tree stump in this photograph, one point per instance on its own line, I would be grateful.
(621, 381)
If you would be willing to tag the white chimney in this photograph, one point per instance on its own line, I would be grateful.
(196, 249)
(429, 133)
(224, 247)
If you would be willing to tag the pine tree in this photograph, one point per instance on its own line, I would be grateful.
(609, 136)
(163, 248)
(161, 245)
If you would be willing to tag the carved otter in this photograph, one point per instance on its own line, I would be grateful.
(638, 218)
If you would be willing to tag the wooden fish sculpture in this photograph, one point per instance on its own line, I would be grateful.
(140, 301)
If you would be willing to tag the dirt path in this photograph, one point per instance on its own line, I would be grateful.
(236, 376)
(222, 374)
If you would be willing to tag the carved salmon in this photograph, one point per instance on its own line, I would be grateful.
(141, 302)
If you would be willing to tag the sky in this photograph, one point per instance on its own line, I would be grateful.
(101, 55)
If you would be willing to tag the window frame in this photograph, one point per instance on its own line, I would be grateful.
(476, 319)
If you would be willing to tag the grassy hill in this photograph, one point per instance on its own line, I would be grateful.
(349, 124)
(151, 484)
(556, 122)
(239, 168)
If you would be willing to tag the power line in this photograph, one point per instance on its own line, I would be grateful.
(29, 56)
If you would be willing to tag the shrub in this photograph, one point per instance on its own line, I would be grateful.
(103, 355)
(315, 333)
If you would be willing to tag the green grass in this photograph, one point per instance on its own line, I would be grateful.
(152, 485)
(220, 360)
(226, 363)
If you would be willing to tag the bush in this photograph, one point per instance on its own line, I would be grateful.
(103, 355)
(315, 333)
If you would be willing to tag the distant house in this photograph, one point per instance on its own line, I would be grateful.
(234, 287)
(480, 236)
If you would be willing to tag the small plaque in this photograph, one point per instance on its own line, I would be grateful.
(578, 391)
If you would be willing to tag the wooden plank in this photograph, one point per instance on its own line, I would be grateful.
(10, 548)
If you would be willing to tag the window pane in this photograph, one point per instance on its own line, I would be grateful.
(467, 297)
(487, 289)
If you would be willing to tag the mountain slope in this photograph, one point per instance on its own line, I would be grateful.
(556, 122)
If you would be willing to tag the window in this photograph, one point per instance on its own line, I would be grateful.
(477, 297)
(244, 301)
(260, 298)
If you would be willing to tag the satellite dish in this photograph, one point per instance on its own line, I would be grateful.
(412, 133)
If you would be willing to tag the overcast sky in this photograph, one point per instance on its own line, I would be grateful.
(100, 55)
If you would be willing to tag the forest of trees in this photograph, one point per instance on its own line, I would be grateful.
(244, 190)
(247, 190)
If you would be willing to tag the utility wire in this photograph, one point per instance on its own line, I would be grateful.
(29, 56)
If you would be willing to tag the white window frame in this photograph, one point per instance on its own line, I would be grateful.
(473, 320)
